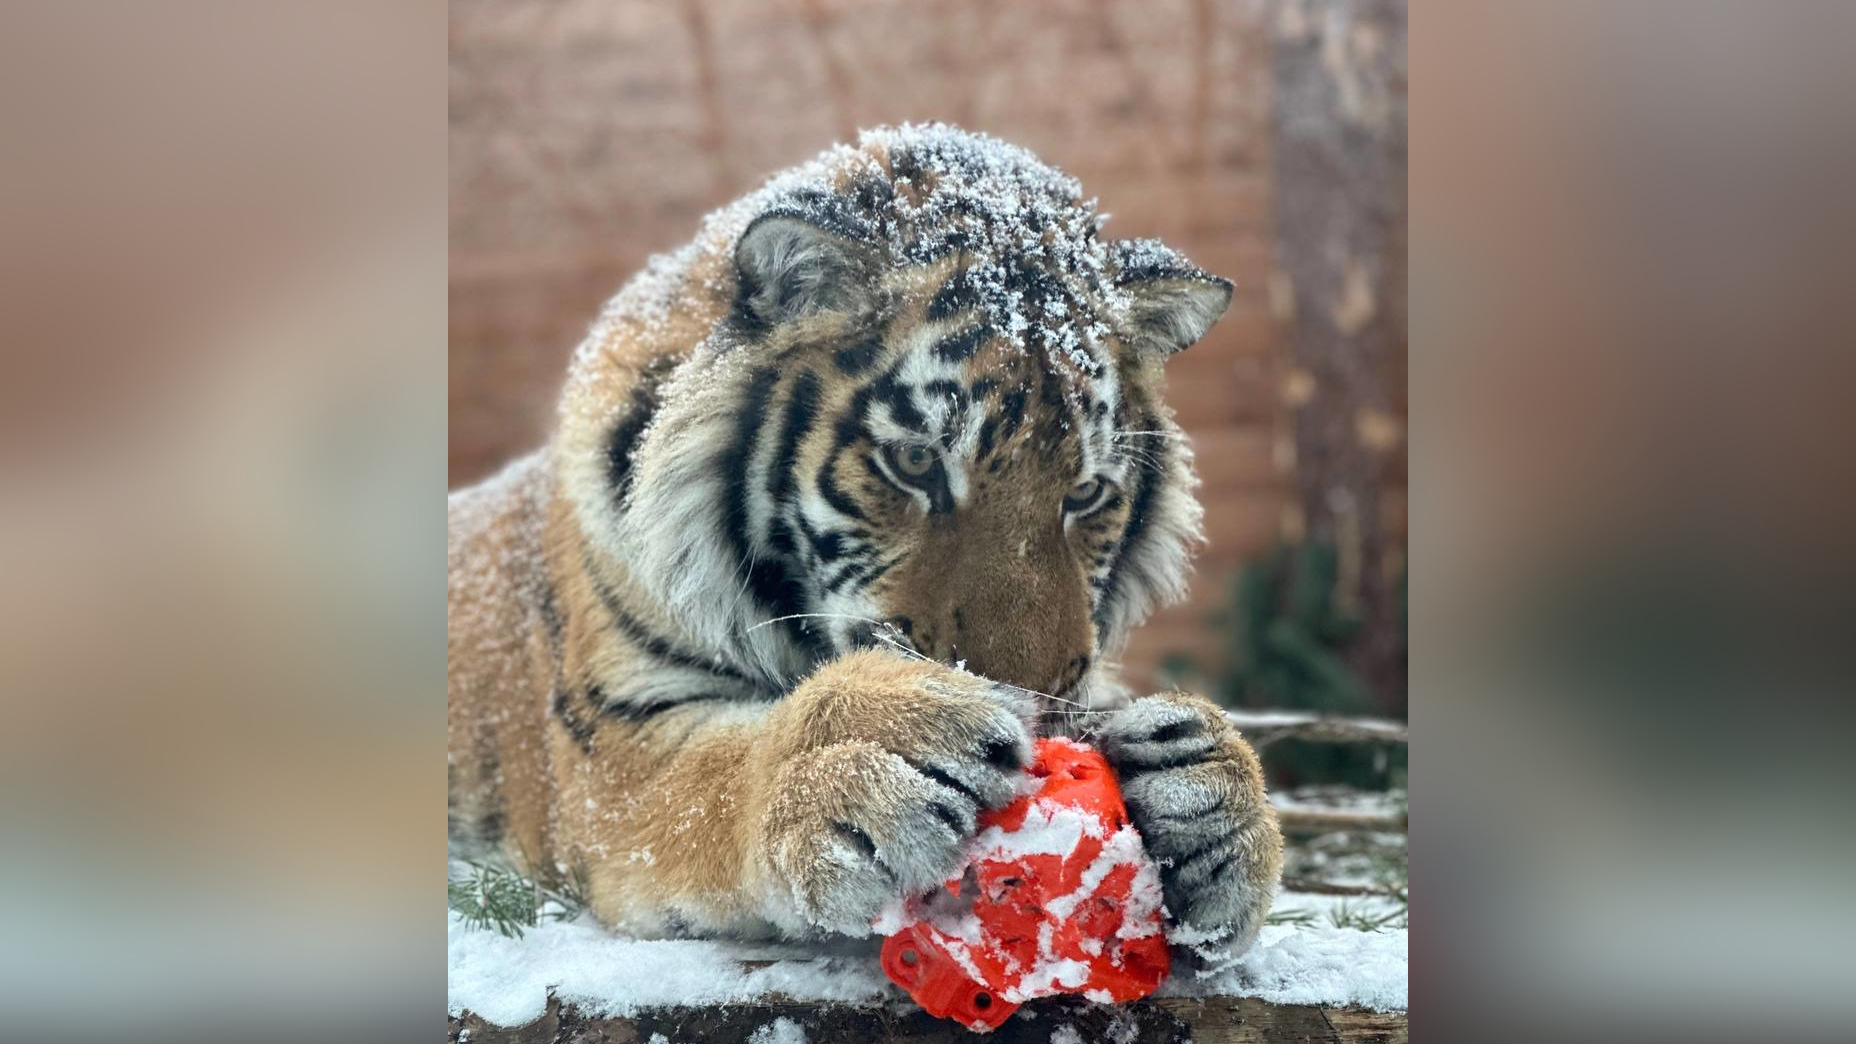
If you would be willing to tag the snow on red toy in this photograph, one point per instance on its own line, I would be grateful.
(1058, 896)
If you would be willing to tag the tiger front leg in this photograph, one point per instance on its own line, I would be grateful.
(870, 783)
(1194, 790)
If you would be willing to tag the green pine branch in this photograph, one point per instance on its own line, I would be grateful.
(495, 898)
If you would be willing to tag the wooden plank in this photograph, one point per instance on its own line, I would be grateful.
(1242, 523)
(1322, 821)
(1263, 727)
(1312, 886)
(582, 142)
(1239, 457)
(1168, 1020)
(1360, 1026)
(1247, 1020)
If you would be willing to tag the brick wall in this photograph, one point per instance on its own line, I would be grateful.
(588, 134)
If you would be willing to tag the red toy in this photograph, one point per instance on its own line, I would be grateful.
(1058, 896)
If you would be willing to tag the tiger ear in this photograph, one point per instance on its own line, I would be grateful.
(1172, 303)
(790, 267)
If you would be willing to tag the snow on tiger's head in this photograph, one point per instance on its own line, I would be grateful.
(904, 392)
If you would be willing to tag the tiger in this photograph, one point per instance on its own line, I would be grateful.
(847, 501)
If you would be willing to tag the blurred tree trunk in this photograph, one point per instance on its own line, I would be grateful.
(1338, 158)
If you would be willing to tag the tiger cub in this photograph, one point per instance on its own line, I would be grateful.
(848, 499)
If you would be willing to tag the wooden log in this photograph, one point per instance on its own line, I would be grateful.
(1327, 821)
(1263, 728)
(1358, 1024)
(1056, 1020)
(1314, 886)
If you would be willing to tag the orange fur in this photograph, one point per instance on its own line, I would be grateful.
(781, 801)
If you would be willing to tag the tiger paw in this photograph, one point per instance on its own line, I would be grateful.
(1194, 789)
(878, 770)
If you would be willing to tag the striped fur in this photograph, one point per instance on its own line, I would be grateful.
(898, 410)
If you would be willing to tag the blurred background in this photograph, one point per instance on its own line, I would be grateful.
(223, 274)
(1265, 140)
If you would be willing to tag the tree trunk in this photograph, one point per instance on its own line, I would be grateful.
(1338, 156)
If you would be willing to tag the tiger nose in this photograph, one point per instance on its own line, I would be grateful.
(1035, 651)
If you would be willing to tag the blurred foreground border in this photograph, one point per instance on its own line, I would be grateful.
(222, 262)
(1632, 502)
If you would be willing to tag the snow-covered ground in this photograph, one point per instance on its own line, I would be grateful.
(1317, 951)
(507, 981)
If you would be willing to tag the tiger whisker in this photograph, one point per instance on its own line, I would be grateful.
(888, 640)
(885, 633)
(1085, 708)
(827, 616)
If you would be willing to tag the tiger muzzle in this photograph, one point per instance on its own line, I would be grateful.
(1019, 619)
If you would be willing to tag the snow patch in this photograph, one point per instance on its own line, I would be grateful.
(780, 1031)
(1049, 829)
(1312, 965)
(507, 981)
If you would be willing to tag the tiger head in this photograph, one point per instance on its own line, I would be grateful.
(919, 405)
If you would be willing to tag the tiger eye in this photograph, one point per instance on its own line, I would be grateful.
(914, 461)
(1085, 492)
